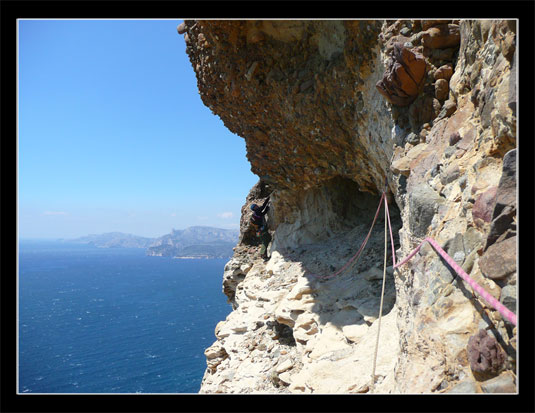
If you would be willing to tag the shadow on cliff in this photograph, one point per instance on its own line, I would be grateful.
(353, 296)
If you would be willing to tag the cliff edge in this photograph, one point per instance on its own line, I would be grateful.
(331, 111)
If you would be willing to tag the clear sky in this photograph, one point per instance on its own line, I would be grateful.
(113, 135)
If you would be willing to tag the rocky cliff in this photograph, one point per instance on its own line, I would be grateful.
(331, 111)
(195, 242)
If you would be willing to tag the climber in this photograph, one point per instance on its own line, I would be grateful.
(259, 223)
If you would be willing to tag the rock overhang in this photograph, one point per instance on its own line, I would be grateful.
(250, 72)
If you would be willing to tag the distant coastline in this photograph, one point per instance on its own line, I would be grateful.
(196, 242)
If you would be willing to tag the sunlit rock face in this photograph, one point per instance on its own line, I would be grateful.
(331, 111)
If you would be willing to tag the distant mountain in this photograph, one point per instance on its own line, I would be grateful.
(115, 240)
(196, 242)
(192, 242)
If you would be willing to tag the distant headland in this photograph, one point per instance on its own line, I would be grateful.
(192, 242)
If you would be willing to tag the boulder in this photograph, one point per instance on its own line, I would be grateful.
(444, 72)
(404, 77)
(443, 54)
(499, 260)
(484, 353)
(441, 89)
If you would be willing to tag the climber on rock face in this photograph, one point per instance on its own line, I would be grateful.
(258, 221)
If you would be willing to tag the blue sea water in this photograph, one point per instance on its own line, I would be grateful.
(95, 320)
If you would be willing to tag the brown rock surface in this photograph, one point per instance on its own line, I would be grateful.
(442, 36)
(499, 260)
(444, 72)
(484, 354)
(404, 76)
(441, 89)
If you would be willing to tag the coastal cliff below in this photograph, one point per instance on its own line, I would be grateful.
(333, 112)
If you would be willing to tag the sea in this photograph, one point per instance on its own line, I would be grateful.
(102, 320)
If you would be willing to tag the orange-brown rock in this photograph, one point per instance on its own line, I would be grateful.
(441, 89)
(444, 72)
(403, 79)
(442, 37)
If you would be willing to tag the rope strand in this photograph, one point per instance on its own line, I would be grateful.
(387, 221)
(357, 255)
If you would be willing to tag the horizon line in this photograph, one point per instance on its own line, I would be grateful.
(50, 238)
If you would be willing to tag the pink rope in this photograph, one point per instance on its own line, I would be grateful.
(357, 255)
(509, 315)
(504, 311)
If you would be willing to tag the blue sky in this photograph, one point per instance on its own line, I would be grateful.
(113, 135)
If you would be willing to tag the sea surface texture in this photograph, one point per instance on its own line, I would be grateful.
(94, 320)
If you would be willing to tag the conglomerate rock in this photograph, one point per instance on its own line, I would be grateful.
(403, 78)
(325, 143)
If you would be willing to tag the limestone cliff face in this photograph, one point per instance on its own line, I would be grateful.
(328, 110)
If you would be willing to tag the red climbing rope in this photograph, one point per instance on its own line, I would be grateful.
(504, 311)
(357, 255)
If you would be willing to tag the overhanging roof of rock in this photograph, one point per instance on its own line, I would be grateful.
(288, 88)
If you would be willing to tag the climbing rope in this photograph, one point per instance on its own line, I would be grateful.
(357, 255)
(382, 295)
(504, 311)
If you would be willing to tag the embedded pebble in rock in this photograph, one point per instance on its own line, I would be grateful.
(454, 138)
(181, 28)
(484, 205)
(448, 108)
(441, 89)
(484, 353)
(499, 261)
(441, 36)
(404, 77)
(444, 72)
(508, 297)
(328, 109)
(467, 386)
(504, 383)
